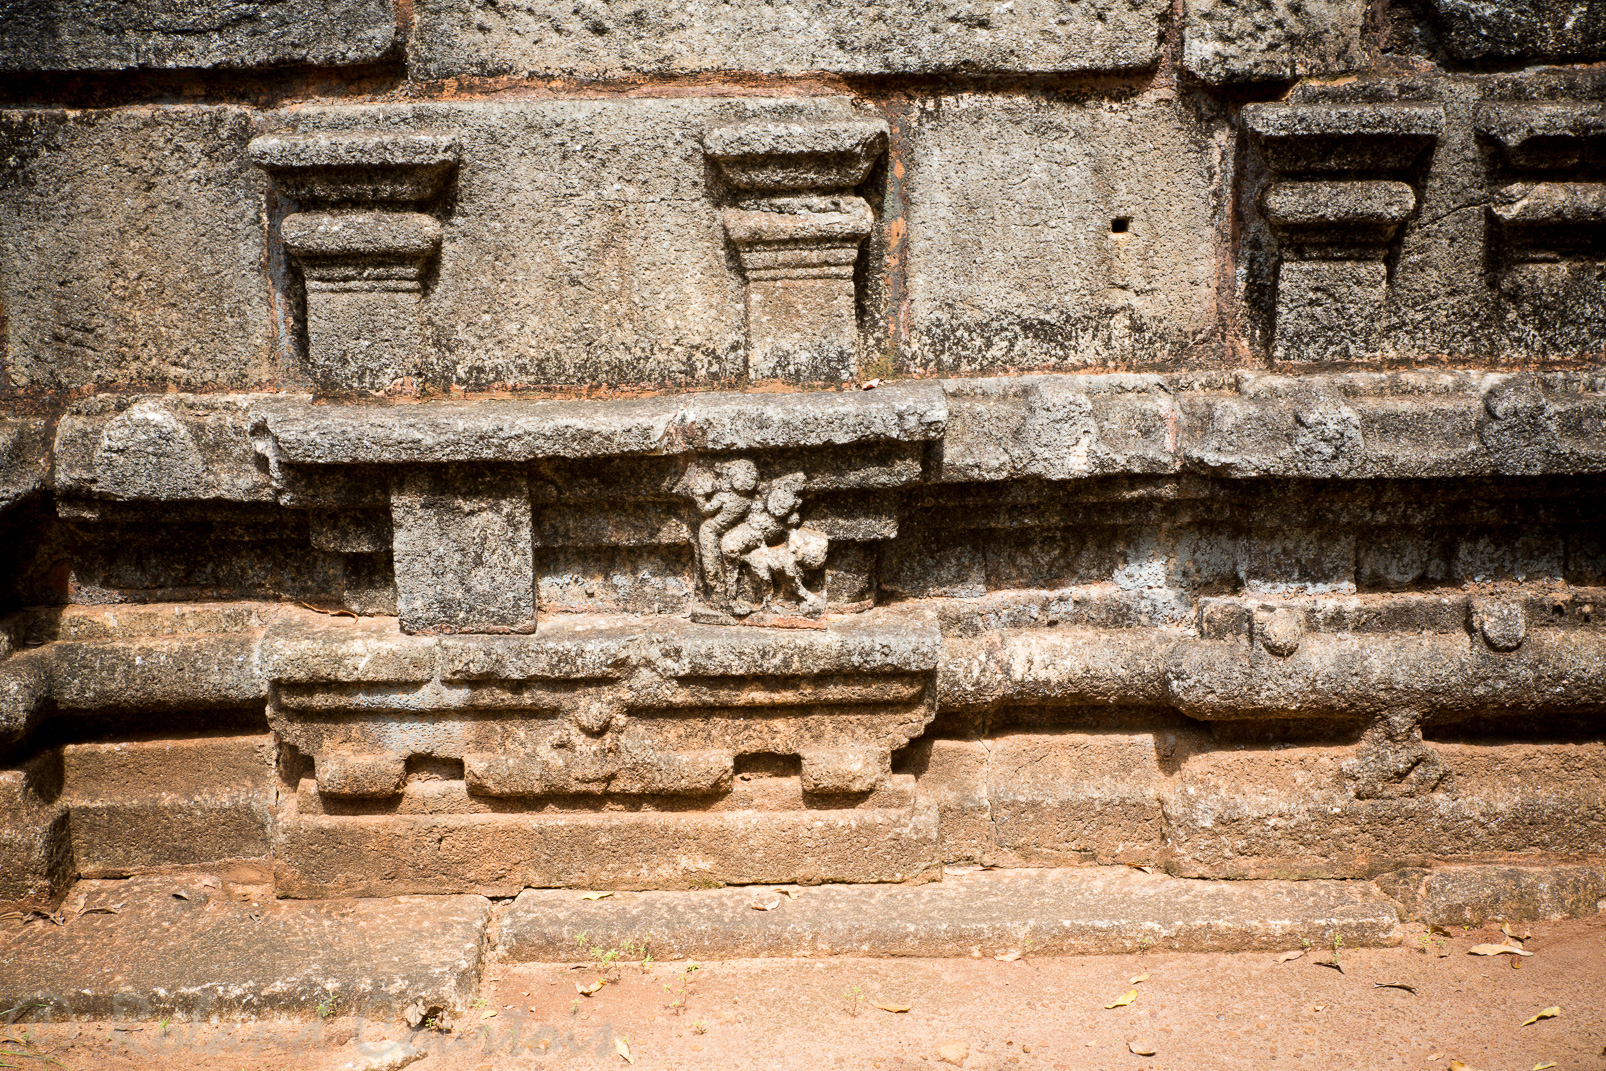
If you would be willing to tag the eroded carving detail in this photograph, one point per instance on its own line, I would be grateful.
(753, 552)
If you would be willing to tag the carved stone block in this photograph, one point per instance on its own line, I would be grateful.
(463, 554)
(797, 231)
(363, 265)
(1334, 222)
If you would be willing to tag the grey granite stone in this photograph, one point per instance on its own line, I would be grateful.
(463, 552)
(1521, 29)
(546, 38)
(1228, 41)
(85, 35)
(1055, 234)
(95, 200)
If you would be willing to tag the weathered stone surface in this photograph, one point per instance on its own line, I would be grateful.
(1080, 910)
(144, 673)
(1273, 40)
(1530, 29)
(319, 855)
(1086, 243)
(463, 553)
(1469, 895)
(141, 804)
(457, 37)
(75, 35)
(588, 225)
(1302, 819)
(24, 460)
(1075, 797)
(36, 861)
(165, 448)
(435, 432)
(207, 955)
(86, 303)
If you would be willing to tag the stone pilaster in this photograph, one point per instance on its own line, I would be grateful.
(797, 227)
(362, 245)
(1342, 191)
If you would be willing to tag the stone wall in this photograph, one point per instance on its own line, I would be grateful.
(463, 446)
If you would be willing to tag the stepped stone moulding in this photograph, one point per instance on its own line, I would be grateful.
(1342, 191)
(797, 226)
(1547, 213)
(362, 244)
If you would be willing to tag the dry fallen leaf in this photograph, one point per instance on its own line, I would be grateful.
(489, 1015)
(771, 906)
(1008, 957)
(790, 894)
(1394, 985)
(1547, 1013)
(587, 990)
(1141, 1046)
(1136, 978)
(1541, 1067)
(1497, 950)
(1457, 1065)
(1505, 928)
(1121, 1002)
(595, 895)
(622, 1047)
(889, 1007)
(1288, 957)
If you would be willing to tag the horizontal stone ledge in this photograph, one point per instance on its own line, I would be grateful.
(1415, 425)
(1346, 676)
(1075, 910)
(504, 430)
(1255, 659)
(158, 956)
(302, 647)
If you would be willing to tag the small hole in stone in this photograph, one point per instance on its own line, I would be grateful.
(1120, 224)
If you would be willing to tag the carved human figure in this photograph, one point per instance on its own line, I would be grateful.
(724, 497)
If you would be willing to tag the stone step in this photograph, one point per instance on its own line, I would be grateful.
(981, 913)
(184, 947)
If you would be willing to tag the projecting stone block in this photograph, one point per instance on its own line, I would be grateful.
(100, 204)
(166, 448)
(553, 39)
(1273, 40)
(86, 35)
(1052, 234)
(463, 554)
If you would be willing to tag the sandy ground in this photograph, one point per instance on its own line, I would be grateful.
(1197, 1011)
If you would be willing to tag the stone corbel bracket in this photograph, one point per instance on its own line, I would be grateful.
(1340, 196)
(362, 244)
(797, 230)
(1546, 214)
